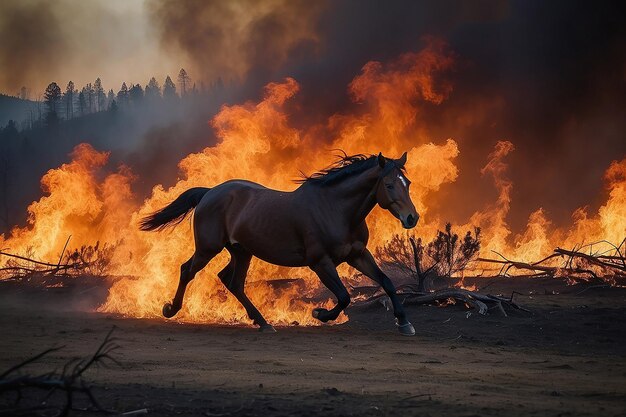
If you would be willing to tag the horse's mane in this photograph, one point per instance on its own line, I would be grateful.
(345, 166)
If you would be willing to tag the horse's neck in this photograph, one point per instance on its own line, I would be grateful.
(354, 198)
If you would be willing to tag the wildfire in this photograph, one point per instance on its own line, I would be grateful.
(257, 142)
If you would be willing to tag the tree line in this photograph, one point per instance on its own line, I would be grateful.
(71, 102)
(137, 123)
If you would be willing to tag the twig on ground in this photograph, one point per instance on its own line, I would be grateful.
(69, 382)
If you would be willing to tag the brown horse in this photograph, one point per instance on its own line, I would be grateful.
(320, 225)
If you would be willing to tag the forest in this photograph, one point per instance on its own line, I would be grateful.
(170, 117)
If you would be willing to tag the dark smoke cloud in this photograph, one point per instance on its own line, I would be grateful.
(548, 76)
(31, 36)
(237, 39)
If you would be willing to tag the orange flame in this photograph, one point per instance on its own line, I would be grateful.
(257, 142)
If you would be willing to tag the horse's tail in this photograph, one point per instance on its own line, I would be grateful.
(175, 212)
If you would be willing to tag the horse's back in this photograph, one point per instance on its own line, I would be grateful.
(221, 198)
(259, 218)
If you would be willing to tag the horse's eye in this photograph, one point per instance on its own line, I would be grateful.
(389, 186)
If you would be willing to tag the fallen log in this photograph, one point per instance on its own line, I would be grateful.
(481, 302)
(508, 264)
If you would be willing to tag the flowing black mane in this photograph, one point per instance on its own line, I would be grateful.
(346, 166)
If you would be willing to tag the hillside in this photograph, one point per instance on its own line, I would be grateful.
(13, 108)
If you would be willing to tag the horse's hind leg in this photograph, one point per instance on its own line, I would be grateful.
(234, 278)
(327, 273)
(188, 271)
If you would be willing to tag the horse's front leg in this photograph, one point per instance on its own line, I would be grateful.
(327, 273)
(364, 263)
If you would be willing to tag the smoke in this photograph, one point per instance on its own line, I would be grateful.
(445, 81)
(64, 40)
(231, 39)
(547, 76)
(30, 34)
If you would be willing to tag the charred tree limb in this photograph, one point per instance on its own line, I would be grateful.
(68, 382)
(616, 263)
(23, 258)
(602, 261)
(92, 260)
(481, 302)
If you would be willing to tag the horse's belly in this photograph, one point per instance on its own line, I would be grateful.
(271, 240)
(276, 251)
(284, 259)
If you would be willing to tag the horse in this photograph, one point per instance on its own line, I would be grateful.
(320, 225)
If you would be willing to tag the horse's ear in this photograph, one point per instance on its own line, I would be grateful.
(381, 160)
(402, 160)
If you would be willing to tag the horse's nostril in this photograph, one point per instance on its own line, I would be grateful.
(410, 220)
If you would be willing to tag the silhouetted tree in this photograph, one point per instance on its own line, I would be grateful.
(100, 95)
(82, 103)
(153, 89)
(136, 94)
(112, 106)
(68, 98)
(122, 95)
(52, 97)
(169, 88)
(110, 98)
(89, 97)
(183, 81)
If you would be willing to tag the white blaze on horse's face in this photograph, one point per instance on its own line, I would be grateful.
(402, 180)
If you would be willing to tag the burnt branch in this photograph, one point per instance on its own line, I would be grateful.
(70, 382)
(480, 302)
(88, 259)
(574, 263)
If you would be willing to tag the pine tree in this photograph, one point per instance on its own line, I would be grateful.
(89, 96)
(122, 95)
(69, 97)
(183, 80)
(153, 89)
(169, 88)
(52, 97)
(135, 93)
(110, 98)
(82, 102)
(100, 96)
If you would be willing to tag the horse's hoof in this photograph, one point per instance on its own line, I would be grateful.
(169, 311)
(317, 312)
(406, 329)
(267, 328)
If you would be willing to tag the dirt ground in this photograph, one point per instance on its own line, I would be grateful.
(567, 358)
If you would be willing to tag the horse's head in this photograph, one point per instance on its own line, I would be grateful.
(392, 192)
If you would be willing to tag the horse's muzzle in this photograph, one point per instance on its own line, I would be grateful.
(410, 221)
